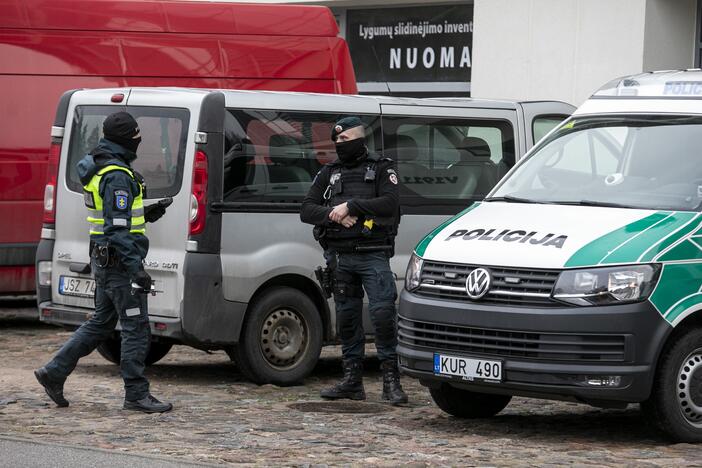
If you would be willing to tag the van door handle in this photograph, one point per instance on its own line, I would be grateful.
(81, 268)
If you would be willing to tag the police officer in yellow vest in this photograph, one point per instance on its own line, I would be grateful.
(117, 219)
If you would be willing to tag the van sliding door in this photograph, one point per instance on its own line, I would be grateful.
(447, 159)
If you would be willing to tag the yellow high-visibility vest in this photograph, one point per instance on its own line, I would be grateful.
(92, 196)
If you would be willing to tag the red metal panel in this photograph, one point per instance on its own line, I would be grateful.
(299, 57)
(25, 224)
(59, 53)
(227, 18)
(170, 55)
(343, 68)
(163, 16)
(17, 280)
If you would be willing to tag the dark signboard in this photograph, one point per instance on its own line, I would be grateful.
(431, 43)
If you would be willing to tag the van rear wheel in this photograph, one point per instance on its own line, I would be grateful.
(466, 404)
(281, 339)
(675, 404)
(111, 350)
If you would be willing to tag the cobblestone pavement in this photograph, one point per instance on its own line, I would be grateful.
(220, 418)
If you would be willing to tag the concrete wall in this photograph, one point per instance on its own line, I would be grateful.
(554, 49)
(669, 34)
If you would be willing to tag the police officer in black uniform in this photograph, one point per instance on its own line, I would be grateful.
(113, 194)
(354, 205)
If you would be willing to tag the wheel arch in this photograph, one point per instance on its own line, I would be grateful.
(689, 320)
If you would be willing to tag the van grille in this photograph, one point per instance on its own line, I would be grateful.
(534, 345)
(510, 286)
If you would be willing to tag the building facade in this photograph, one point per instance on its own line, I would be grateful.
(516, 49)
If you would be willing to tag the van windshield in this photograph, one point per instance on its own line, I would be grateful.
(637, 161)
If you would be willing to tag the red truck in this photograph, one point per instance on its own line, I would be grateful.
(50, 46)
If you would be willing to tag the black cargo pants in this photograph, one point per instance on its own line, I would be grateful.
(372, 272)
(113, 300)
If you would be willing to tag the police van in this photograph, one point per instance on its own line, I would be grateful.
(579, 276)
(232, 263)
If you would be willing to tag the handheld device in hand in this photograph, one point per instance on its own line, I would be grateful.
(136, 289)
(165, 202)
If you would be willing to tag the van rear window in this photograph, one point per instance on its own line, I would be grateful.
(160, 154)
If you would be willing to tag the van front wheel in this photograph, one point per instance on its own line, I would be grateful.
(281, 339)
(675, 404)
(466, 404)
(111, 349)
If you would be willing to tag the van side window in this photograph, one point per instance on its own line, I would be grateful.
(160, 154)
(445, 163)
(273, 156)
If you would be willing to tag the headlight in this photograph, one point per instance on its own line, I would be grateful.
(604, 286)
(414, 273)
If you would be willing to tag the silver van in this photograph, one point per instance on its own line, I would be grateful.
(232, 261)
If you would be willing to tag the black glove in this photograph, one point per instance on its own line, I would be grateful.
(153, 212)
(143, 279)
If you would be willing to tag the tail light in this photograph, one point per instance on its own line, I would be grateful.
(198, 196)
(51, 180)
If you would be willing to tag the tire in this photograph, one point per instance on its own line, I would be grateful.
(281, 339)
(111, 349)
(466, 404)
(675, 404)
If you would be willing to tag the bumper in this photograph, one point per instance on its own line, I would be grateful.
(546, 353)
(55, 314)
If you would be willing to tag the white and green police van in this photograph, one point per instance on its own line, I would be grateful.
(579, 276)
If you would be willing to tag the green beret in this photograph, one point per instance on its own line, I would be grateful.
(344, 124)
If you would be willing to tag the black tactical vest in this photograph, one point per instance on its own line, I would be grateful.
(359, 182)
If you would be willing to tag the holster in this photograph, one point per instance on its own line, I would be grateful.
(104, 255)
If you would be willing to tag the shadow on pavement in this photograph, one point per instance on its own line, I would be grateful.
(602, 426)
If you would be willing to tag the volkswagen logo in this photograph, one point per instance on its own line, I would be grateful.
(478, 283)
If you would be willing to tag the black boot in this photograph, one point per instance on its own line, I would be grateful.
(350, 386)
(52, 387)
(148, 404)
(392, 390)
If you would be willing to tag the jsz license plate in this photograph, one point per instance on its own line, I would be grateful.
(468, 368)
(74, 286)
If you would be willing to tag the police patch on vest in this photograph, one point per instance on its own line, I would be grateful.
(88, 199)
(121, 200)
(393, 179)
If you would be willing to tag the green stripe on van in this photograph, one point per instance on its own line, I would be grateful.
(654, 252)
(593, 252)
(424, 243)
(677, 289)
(648, 242)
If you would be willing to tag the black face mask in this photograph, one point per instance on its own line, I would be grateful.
(130, 144)
(352, 150)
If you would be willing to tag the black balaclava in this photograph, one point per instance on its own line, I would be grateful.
(352, 150)
(121, 128)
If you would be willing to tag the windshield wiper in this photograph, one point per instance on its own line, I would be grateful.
(594, 203)
(511, 199)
